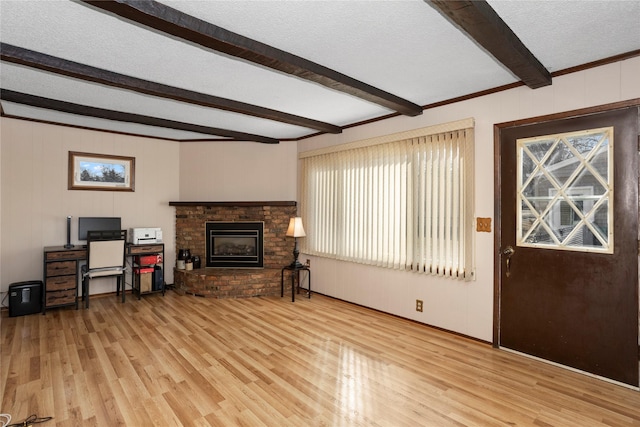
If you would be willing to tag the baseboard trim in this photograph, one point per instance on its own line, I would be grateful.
(461, 335)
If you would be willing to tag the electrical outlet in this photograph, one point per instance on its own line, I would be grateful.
(419, 305)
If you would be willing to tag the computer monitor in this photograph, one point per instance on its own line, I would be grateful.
(99, 223)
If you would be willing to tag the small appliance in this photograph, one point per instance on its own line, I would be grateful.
(141, 236)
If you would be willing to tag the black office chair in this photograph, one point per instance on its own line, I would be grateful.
(105, 257)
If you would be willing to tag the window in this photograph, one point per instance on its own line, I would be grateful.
(565, 191)
(402, 201)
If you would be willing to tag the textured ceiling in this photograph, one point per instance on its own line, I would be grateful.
(404, 47)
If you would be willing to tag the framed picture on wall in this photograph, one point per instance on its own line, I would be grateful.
(105, 172)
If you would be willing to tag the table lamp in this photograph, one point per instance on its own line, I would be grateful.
(295, 230)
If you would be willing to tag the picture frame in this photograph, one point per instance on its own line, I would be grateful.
(103, 172)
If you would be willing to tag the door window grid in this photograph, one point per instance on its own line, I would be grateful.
(564, 176)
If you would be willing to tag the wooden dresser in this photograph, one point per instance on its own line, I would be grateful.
(61, 276)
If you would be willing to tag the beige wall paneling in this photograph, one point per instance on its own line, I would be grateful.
(237, 171)
(36, 202)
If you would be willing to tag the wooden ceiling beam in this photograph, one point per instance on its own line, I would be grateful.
(176, 23)
(482, 24)
(101, 113)
(41, 61)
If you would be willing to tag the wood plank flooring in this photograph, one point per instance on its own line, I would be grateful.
(189, 361)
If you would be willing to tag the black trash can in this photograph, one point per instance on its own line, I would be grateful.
(25, 298)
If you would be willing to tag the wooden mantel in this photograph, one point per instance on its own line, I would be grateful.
(240, 204)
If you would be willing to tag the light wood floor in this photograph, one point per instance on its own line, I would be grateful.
(183, 360)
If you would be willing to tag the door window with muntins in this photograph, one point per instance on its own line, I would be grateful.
(565, 191)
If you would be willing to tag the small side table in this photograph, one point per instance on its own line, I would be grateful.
(295, 271)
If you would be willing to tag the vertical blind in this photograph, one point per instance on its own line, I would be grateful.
(404, 204)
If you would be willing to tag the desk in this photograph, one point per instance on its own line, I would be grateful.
(62, 270)
(295, 271)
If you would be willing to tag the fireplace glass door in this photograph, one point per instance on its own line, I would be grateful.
(234, 244)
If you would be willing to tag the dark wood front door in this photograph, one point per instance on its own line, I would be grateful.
(568, 242)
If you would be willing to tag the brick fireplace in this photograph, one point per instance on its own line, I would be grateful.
(191, 219)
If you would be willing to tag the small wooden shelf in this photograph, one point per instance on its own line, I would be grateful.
(134, 251)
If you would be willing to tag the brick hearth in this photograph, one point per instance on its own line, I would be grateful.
(233, 283)
(228, 283)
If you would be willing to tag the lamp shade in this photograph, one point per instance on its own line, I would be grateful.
(296, 229)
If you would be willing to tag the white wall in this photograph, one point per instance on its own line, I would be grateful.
(35, 200)
(463, 307)
(237, 171)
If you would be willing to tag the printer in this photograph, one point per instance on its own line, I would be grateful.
(141, 236)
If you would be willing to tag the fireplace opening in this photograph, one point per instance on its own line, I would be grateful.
(234, 244)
